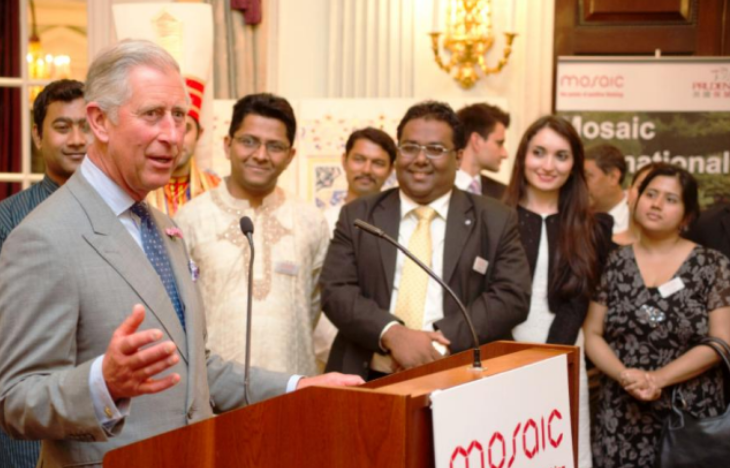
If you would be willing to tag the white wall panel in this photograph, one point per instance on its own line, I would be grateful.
(371, 48)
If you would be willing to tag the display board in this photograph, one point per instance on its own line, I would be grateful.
(675, 110)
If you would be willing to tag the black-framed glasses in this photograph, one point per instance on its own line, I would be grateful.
(251, 144)
(412, 150)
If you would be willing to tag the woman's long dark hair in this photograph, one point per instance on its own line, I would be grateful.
(575, 266)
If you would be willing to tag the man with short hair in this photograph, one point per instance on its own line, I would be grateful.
(290, 236)
(98, 305)
(368, 162)
(60, 134)
(605, 168)
(484, 128)
(188, 180)
(390, 315)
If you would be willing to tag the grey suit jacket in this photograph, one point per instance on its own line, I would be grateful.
(69, 275)
(357, 277)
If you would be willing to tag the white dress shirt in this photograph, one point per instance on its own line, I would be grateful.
(464, 180)
(620, 214)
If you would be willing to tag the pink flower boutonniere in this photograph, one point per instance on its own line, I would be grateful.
(173, 233)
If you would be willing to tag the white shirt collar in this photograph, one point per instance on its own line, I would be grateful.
(441, 204)
(464, 179)
(114, 196)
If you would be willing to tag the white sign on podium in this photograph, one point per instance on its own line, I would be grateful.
(520, 418)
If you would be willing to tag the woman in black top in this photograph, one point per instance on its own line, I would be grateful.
(549, 190)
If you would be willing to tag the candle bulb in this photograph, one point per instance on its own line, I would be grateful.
(512, 14)
(436, 16)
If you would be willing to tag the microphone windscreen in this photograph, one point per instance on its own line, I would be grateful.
(369, 228)
(246, 226)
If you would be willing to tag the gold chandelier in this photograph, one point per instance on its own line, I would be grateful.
(42, 66)
(468, 38)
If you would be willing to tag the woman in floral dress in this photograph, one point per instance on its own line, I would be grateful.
(657, 299)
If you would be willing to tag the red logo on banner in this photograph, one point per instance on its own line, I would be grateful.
(592, 81)
(535, 438)
(718, 87)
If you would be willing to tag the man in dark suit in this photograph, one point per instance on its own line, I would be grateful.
(712, 229)
(484, 129)
(390, 316)
(102, 331)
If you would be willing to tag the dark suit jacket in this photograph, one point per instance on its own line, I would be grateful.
(492, 188)
(712, 229)
(358, 272)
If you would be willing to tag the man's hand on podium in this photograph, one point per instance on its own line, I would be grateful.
(411, 348)
(331, 379)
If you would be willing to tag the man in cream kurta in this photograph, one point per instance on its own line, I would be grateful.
(290, 238)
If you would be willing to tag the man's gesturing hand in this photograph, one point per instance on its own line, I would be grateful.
(129, 363)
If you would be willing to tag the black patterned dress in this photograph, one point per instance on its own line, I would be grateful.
(647, 331)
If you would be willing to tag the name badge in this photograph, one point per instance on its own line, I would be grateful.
(671, 287)
(194, 271)
(287, 268)
(480, 265)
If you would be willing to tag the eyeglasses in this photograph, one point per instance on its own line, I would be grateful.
(252, 144)
(412, 150)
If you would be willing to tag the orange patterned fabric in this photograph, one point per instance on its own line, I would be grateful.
(180, 190)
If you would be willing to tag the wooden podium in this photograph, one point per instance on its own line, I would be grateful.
(385, 423)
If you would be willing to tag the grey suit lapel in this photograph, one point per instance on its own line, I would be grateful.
(458, 228)
(113, 242)
(386, 216)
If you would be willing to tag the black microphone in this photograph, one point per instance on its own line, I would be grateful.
(247, 230)
(370, 229)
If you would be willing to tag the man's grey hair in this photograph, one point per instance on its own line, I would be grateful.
(107, 82)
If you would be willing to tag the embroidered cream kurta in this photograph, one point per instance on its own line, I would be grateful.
(290, 239)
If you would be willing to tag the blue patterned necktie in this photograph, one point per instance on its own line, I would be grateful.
(154, 248)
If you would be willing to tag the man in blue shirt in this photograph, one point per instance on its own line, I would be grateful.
(60, 134)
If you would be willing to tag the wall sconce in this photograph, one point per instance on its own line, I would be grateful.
(468, 38)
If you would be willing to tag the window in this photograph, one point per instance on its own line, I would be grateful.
(54, 33)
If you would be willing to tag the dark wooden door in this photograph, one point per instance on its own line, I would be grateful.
(640, 27)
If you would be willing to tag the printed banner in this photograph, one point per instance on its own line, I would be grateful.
(669, 110)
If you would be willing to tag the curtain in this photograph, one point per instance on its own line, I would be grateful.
(239, 58)
(10, 143)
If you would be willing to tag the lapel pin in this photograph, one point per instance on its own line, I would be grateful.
(467, 222)
(194, 270)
